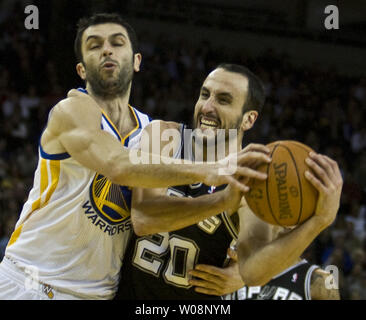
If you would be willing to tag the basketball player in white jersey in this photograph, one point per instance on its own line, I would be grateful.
(70, 238)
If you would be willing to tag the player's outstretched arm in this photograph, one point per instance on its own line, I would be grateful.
(154, 211)
(74, 127)
(260, 260)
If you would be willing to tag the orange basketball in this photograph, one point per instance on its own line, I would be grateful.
(286, 197)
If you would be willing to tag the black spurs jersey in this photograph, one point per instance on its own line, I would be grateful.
(291, 284)
(157, 266)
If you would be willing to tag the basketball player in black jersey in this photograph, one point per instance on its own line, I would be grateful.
(186, 225)
(301, 281)
(159, 259)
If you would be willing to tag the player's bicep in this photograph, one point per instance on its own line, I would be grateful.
(77, 128)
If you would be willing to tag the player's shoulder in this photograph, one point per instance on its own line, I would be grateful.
(78, 101)
(319, 276)
(74, 110)
(323, 285)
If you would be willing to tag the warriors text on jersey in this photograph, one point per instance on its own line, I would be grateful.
(156, 266)
(291, 284)
(75, 225)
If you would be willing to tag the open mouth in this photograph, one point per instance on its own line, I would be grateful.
(207, 123)
(108, 65)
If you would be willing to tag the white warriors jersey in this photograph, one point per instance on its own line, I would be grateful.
(75, 225)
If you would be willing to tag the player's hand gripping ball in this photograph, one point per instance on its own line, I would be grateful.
(286, 197)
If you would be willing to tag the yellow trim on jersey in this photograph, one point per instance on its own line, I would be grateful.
(115, 128)
(54, 168)
(112, 124)
(15, 235)
(134, 129)
(43, 184)
(55, 176)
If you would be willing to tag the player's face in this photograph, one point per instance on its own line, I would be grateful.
(221, 100)
(108, 60)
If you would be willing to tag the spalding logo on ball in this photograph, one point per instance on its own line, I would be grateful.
(286, 197)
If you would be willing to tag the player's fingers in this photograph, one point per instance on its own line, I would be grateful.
(204, 276)
(321, 168)
(207, 291)
(315, 181)
(209, 269)
(250, 173)
(256, 147)
(323, 161)
(333, 164)
(253, 157)
(204, 284)
(236, 183)
(337, 175)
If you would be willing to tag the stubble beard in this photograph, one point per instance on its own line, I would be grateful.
(109, 88)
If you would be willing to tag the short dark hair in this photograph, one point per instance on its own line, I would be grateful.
(256, 94)
(101, 18)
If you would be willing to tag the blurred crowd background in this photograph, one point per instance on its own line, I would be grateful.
(323, 106)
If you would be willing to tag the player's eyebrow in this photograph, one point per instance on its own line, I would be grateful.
(114, 35)
(225, 95)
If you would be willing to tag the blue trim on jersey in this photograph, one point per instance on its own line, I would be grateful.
(111, 127)
(56, 156)
(82, 90)
(137, 116)
(138, 131)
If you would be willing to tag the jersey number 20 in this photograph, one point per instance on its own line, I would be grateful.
(150, 253)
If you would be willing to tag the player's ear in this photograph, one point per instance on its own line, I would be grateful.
(137, 61)
(249, 119)
(80, 69)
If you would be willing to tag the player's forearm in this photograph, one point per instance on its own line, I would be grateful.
(263, 264)
(167, 213)
(157, 175)
(153, 171)
(103, 154)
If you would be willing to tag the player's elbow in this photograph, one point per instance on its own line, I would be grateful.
(117, 169)
(141, 225)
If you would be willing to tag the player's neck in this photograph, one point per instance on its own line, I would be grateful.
(115, 108)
